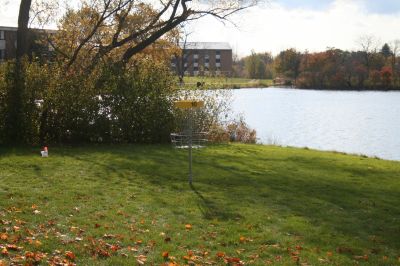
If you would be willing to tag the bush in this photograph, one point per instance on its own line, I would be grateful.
(111, 104)
(235, 131)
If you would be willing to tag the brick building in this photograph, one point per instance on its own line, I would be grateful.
(204, 58)
(8, 43)
(8, 39)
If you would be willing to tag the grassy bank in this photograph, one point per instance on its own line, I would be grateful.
(131, 204)
(229, 83)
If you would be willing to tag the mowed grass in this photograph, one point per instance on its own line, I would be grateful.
(227, 83)
(250, 204)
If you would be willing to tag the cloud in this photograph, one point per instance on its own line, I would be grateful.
(371, 6)
(305, 4)
(310, 25)
(277, 27)
(9, 12)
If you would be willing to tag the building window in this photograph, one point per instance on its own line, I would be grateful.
(1, 34)
(196, 56)
(195, 68)
(218, 60)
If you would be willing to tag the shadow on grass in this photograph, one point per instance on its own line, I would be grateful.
(211, 210)
(321, 190)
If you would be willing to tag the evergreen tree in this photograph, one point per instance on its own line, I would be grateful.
(386, 50)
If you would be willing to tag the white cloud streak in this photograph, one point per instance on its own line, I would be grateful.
(275, 27)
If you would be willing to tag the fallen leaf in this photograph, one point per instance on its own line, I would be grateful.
(232, 260)
(329, 253)
(13, 247)
(34, 256)
(165, 255)
(4, 252)
(3, 236)
(114, 247)
(220, 254)
(103, 253)
(188, 227)
(364, 257)
(344, 250)
(296, 259)
(108, 236)
(70, 255)
(242, 239)
(141, 259)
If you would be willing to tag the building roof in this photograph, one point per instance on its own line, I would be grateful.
(6, 28)
(205, 46)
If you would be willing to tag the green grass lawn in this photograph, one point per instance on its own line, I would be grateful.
(225, 82)
(129, 204)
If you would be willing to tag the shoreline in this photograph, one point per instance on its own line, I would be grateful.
(299, 88)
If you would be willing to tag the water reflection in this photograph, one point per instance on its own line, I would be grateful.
(348, 121)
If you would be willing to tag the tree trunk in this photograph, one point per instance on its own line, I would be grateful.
(15, 128)
(23, 31)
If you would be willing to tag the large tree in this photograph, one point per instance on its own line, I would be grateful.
(99, 29)
(288, 62)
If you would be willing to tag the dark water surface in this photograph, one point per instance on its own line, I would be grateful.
(347, 121)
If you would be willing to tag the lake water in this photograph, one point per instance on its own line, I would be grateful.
(347, 121)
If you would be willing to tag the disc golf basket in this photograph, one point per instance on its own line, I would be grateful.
(188, 138)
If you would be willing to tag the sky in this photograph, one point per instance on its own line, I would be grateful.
(311, 25)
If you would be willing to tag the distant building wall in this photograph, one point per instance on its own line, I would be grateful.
(8, 43)
(204, 59)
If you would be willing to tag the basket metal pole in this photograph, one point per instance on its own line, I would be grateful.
(190, 145)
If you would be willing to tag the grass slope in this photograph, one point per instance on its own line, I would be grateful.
(126, 205)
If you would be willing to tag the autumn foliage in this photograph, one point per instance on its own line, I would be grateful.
(338, 69)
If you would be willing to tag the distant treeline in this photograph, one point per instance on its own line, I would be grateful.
(368, 68)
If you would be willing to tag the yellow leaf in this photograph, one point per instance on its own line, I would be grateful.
(3, 236)
(4, 252)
